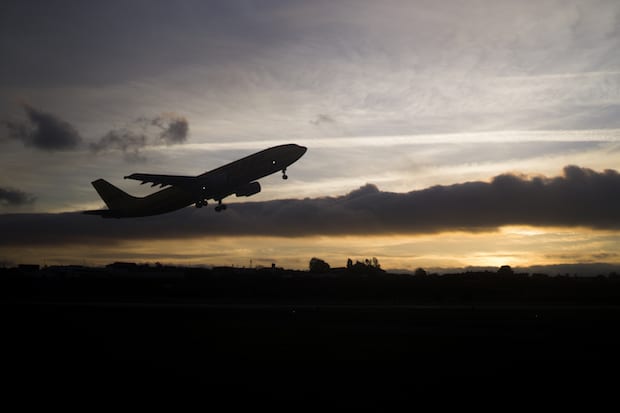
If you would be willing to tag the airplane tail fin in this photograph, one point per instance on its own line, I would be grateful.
(113, 197)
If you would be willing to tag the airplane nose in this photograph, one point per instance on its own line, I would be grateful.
(301, 151)
(294, 152)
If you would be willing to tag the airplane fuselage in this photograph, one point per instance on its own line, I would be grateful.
(238, 177)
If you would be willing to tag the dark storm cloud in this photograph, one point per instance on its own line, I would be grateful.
(14, 197)
(581, 197)
(44, 131)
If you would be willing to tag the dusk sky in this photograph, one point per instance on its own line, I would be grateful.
(439, 133)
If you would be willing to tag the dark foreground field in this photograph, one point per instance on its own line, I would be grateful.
(358, 353)
(305, 353)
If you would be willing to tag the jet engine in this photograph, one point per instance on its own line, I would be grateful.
(249, 189)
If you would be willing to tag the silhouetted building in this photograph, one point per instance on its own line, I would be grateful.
(122, 266)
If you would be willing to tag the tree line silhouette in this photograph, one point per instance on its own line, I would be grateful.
(357, 282)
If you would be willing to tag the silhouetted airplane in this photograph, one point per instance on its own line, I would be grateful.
(238, 177)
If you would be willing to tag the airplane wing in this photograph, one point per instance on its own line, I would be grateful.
(189, 183)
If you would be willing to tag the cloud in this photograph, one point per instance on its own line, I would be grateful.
(167, 128)
(174, 128)
(48, 132)
(15, 197)
(413, 67)
(579, 198)
(44, 131)
(125, 140)
(322, 119)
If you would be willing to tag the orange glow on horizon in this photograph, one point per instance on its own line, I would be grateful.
(514, 245)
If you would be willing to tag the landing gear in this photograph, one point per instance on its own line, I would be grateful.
(284, 175)
(220, 207)
(201, 203)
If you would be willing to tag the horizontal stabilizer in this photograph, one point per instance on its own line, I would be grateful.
(104, 213)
